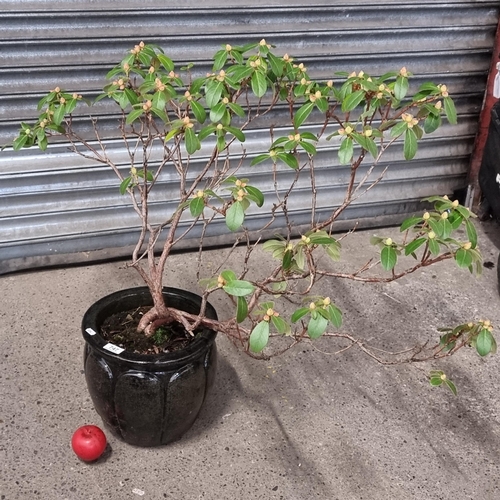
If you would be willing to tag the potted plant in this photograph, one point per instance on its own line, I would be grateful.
(194, 128)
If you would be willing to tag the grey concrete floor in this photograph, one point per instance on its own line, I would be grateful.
(306, 425)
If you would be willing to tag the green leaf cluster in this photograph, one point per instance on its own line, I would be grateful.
(475, 334)
(435, 233)
(259, 336)
(321, 311)
(438, 377)
(293, 256)
(243, 195)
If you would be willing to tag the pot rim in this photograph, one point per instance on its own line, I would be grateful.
(99, 310)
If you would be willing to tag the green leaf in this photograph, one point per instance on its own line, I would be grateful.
(217, 112)
(280, 324)
(235, 215)
(463, 258)
(300, 258)
(228, 275)
(256, 195)
(316, 326)
(125, 184)
(446, 228)
(346, 151)
(471, 232)
(131, 96)
(289, 159)
(237, 133)
(399, 129)
(401, 87)
(133, 115)
(450, 110)
(258, 83)
(410, 222)
(333, 251)
(59, 114)
(299, 313)
(451, 386)
(206, 131)
(388, 257)
(238, 288)
(259, 336)
(308, 147)
(302, 114)
(322, 238)
(221, 142)
(213, 92)
(198, 111)
(196, 206)
(192, 141)
(353, 100)
(276, 64)
(484, 342)
(236, 109)
(259, 159)
(335, 315)
(166, 62)
(432, 123)
(410, 144)
(20, 142)
(274, 245)
(220, 59)
(414, 245)
(287, 260)
(241, 309)
(434, 247)
(436, 381)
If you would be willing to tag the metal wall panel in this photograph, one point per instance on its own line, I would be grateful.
(57, 208)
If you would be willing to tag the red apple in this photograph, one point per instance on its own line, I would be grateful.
(88, 442)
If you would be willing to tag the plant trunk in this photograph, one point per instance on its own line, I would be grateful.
(158, 315)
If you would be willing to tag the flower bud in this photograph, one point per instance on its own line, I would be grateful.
(431, 235)
(426, 216)
(388, 242)
(454, 204)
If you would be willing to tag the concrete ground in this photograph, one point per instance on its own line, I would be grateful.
(306, 425)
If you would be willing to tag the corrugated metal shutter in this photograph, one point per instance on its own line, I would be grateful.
(55, 208)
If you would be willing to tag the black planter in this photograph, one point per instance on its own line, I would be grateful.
(148, 400)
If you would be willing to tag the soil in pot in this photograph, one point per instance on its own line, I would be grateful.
(121, 329)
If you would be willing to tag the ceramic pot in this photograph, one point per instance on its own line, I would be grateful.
(147, 400)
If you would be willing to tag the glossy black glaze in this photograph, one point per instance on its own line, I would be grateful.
(148, 400)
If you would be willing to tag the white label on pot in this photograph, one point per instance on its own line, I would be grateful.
(113, 348)
(90, 331)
